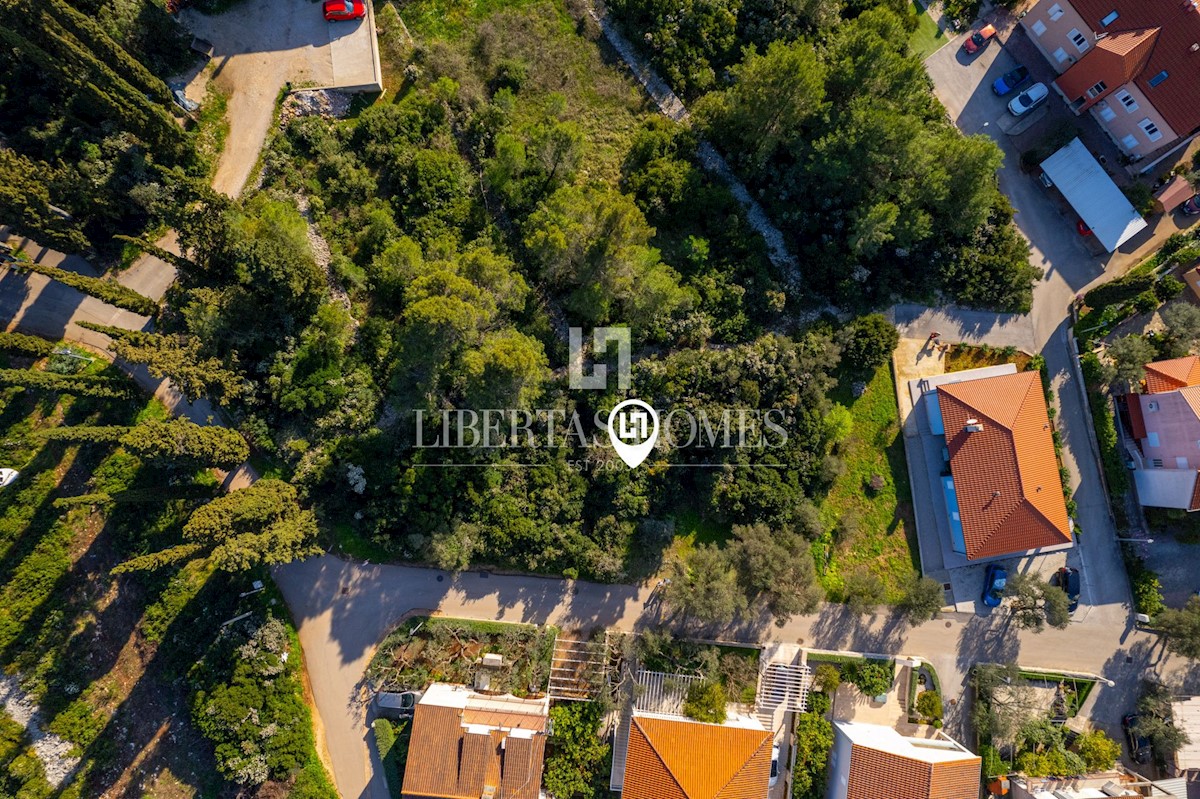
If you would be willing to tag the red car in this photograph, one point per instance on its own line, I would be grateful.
(338, 10)
(979, 39)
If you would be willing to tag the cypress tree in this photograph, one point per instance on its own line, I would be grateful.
(104, 290)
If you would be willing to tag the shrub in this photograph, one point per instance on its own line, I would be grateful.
(1168, 288)
(871, 677)
(1147, 590)
(1099, 752)
(993, 764)
(705, 702)
(1146, 302)
(814, 739)
(819, 703)
(869, 343)
(575, 766)
(1140, 197)
(827, 677)
(929, 705)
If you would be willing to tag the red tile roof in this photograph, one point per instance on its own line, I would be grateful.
(875, 774)
(446, 760)
(1116, 59)
(1006, 475)
(1173, 374)
(682, 759)
(1178, 97)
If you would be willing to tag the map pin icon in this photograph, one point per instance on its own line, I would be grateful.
(633, 429)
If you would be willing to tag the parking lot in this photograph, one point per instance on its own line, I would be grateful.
(260, 47)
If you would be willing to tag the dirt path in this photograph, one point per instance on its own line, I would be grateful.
(671, 106)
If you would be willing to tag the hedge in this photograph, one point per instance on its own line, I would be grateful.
(81, 385)
(1121, 290)
(27, 345)
(104, 290)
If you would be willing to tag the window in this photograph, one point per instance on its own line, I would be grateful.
(1127, 100)
(1159, 78)
(1152, 439)
(1110, 19)
(1107, 114)
(1081, 42)
(1180, 462)
(1130, 142)
(1156, 463)
(1055, 12)
(1151, 130)
(1097, 90)
(1039, 27)
(1060, 55)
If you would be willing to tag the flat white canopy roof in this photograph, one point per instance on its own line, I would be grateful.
(1093, 195)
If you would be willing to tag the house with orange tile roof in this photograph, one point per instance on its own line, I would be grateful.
(671, 757)
(1164, 424)
(869, 761)
(1131, 64)
(1004, 491)
(469, 745)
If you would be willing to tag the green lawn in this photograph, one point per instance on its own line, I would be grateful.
(885, 539)
(926, 39)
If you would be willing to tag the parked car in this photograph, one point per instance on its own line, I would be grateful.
(1139, 745)
(338, 10)
(994, 581)
(181, 99)
(774, 766)
(1045, 180)
(1191, 207)
(979, 39)
(1010, 80)
(7, 476)
(1028, 100)
(1082, 228)
(1068, 580)
(396, 705)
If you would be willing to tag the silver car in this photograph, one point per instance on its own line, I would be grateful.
(1029, 99)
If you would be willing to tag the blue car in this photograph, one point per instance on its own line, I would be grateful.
(994, 581)
(1010, 80)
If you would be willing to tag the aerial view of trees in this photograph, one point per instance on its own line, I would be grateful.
(834, 123)
(91, 120)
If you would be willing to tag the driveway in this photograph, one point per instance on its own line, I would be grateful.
(258, 47)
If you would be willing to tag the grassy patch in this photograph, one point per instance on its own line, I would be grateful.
(424, 650)
(926, 39)
(212, 127)
(961, 357)
(881, 533)
(447, 19)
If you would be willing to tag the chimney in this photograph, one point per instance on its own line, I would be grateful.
(973, 426)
